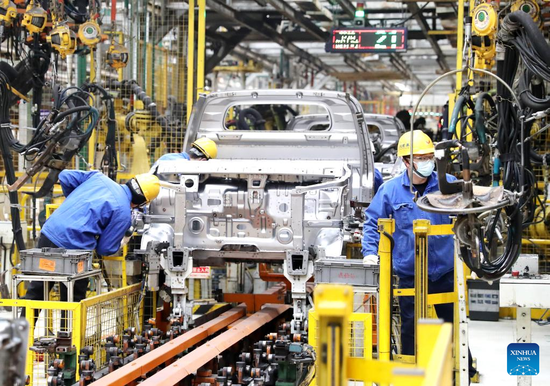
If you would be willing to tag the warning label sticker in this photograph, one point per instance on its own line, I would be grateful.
(47, 265)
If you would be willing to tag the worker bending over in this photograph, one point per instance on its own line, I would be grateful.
(395, 200)
(94, 216)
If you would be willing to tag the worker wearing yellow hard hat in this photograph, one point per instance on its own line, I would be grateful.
(203, 149)
(144, 188)
(96, 214)
(395, 200)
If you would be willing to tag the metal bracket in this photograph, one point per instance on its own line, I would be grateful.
(179, 267)
(177, 259)
(298, 269)
(296, 262)
(191, 183)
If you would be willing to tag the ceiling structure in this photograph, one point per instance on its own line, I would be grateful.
(287, 37)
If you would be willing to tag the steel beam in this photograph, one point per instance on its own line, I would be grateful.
(299, 18)
(246, 53)
(193, 361)
(228, 41)
(421, 20)
(347, 7)
(141, 366)
(268, 31)
(395, 58)
(358, 76)
(321, 35)
(400, 64)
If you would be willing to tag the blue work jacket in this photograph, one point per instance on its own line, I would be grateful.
(95, 214)
(169, 157)
(395, 200)
(378, 180)
(175, 156)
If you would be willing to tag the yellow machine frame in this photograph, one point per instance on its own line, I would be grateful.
(329, 327)
(86, 321)
(424, 302)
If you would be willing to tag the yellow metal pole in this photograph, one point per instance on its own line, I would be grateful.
(165, 77)
(121, 42)
(123, 268)
(29, 315)
(312, 338)
(78, 337)
(201, 43)
(190, 58)
(459, 45)
(92, 66)
(91, 141)
(421, 230)
(459, 49)
(149, 66)
(333, 305)
(385, 227)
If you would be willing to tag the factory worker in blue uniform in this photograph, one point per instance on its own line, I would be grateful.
(394, 200)
(203, 149)
(94, 216)
(378, 180)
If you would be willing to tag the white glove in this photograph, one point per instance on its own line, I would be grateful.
(371, 260)
(125, 241)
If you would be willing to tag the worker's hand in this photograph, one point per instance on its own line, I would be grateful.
(371, 260)
(125, 241)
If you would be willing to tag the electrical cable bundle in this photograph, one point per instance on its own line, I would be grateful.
(168, 131)
(5, 137)
(109, 162)
(521, 39)
(57, 138)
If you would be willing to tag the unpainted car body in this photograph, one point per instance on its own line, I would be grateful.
(271, 195)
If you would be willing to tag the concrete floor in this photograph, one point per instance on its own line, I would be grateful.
(488, 342)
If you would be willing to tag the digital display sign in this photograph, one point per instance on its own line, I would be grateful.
(367, 40)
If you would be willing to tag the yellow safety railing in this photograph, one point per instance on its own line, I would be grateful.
(424, 302)
(355, 325)
(107, 315)
(340, 360)
(90, 322)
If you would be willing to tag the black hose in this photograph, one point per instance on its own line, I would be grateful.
(383, 152)
(10, 178)
(536, 38)
(480, 116)
(109, 161)
(532, 99)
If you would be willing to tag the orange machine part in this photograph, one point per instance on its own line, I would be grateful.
(193, 361)
(141, 366)
(254, 302)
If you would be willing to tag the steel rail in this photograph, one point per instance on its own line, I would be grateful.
(193, 361)
(141, 366)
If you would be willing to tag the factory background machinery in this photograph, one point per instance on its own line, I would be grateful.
(246, 269)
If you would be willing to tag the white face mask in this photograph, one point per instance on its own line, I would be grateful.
(424, 169)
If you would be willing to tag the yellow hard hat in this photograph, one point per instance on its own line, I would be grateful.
(422, 144)
(144, 188)
(206, 147)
